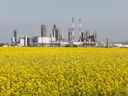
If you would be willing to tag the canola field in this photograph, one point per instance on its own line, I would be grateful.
(63, 72)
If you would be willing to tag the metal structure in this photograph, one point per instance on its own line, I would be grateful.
(55, 32)
(90, 38)
(73, 29)
(26, 41)
(107, 43)
(43, 31)
(76, 36)
(70, 35)
(80, 33)
(34, 41)
(14, 38)
(82, 37)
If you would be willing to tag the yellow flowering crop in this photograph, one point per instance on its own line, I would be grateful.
(63, 72)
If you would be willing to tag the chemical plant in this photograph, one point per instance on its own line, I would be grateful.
(75, 37)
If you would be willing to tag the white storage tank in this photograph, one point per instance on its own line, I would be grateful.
(21, 42)
(44, 40)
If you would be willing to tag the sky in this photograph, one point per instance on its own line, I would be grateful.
(109, 18)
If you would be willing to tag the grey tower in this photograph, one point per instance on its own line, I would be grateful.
(14, 38)
(82, 37)
(43, 31)
(70, 35)
(73, 29)
(55, 32)
(15, 35)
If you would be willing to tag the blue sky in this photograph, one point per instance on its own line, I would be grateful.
(108, 17)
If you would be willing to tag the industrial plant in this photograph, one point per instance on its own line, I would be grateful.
(76, 37)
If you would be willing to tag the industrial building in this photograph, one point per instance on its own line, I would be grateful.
(53, 38)
(43, 30)
(14, 38)
(24, 41)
